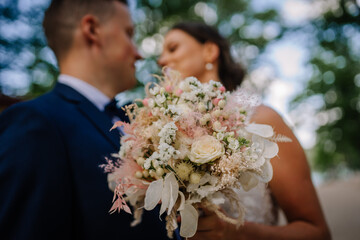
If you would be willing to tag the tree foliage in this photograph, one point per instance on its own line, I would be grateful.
(335, 77)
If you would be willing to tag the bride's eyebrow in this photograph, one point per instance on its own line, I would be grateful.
(171, 43)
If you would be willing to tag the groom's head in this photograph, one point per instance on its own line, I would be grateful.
(95, 35)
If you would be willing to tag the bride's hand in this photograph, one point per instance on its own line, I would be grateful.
(210, 227)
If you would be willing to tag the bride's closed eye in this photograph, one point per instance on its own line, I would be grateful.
(172, 47)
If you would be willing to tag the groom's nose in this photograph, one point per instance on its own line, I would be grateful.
(138, 56)
(162, 60)
(136, 53)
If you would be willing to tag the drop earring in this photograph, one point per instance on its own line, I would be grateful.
(209, 66)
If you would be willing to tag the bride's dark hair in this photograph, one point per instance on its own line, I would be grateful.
(231, 73)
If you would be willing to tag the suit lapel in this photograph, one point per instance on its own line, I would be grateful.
(99, 119)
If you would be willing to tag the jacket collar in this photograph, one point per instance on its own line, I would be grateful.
(99, 119)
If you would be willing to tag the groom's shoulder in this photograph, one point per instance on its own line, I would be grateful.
(43, 107)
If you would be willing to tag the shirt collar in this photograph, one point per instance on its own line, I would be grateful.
(93, 94)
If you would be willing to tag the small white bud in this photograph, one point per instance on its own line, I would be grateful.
(207, 116)
(155, 163)
(138, 174)
(140, 161)
(202, 107)
(162, 90)
(152, 173)
(217, 126)
(203, 121)
(216, 113)
(222, 103)
(159, 172)
(145, 173)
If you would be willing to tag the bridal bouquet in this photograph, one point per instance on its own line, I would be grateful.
(189, 144)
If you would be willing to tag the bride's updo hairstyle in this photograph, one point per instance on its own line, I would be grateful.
(230, 73)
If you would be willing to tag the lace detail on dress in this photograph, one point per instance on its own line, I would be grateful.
(259, 206)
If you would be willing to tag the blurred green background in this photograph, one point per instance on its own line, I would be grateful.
(302, 56)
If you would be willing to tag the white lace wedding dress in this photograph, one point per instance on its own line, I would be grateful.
(258, 204)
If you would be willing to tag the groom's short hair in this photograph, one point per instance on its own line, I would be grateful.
(62, 17)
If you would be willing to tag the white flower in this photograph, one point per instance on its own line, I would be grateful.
(184, 108)
(216, 113)
(217, 127)
(185, 86)
(203, 121)
(173, 111)
(155, 111)
(155, 90)
(168, 133)
(222, 103)
(160, 99)
(202, 107)
(148, 161)
(206, 149)
(126, 146)
(233, 144)
(220, 136)
(151, 103)
(207, 116)
(162, 90)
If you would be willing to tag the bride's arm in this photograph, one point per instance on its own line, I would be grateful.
(292, 188)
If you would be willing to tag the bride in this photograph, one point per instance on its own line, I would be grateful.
(195, 49)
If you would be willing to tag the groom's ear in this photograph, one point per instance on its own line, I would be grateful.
(90, 29)
(211, 52)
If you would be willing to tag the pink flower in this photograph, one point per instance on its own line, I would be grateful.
(178, 92)
(216, 101)
(222, 89)
(145, 102)
(128, 128)
(168, 88)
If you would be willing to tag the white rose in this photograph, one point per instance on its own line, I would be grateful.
(206, 149)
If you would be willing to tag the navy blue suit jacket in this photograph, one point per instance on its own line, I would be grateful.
(51, 185)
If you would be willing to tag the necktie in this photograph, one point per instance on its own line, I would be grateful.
(113, 111)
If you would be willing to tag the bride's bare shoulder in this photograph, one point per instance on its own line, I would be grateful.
(266, 115)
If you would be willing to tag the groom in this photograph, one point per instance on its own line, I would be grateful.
(51, 185)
